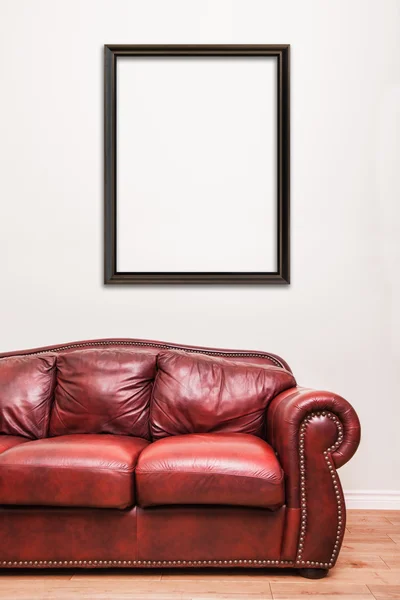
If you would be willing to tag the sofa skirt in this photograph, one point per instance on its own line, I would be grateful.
(173, 536)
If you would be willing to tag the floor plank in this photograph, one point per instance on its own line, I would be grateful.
(321, 588)
(385, 592)
(367, 577)
(249, 586)
(392, 561)
(361, 562)
(394, 536)
(373, 528)
(103, 575)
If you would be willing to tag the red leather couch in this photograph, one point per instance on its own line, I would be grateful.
(135, 453)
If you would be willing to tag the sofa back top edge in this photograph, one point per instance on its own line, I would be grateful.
(253, 356)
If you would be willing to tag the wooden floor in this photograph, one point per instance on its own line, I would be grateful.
(368, 568)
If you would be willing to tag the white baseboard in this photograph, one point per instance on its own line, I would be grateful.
(367, 499)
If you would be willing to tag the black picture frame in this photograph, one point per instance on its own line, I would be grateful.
(282, 275)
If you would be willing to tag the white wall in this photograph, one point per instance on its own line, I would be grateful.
(338, 322)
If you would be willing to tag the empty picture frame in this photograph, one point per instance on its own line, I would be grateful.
(197, 164)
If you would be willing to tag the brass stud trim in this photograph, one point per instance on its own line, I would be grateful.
(152, 345)
(144, 563)
(303, 491)
(157, 563)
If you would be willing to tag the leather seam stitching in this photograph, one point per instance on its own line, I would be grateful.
(71, 468)
(140, 472)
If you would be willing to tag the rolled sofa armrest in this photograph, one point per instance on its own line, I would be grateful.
(313, 433)
(337, 428)
(290, 408)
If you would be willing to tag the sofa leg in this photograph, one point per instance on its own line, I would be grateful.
(313, 573)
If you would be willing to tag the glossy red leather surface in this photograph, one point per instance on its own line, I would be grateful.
(154, 347)
(103, 391)
(291, 532)
(67, 534)
(320, 541)
(321, 501)
(210, 468)
(26, 391)
(73, 470)
(202, 393)
(198, 394)
(284, 417)
(191, 533)
(8, 441)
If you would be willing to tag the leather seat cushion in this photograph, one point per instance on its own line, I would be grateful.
(26, 393)
(71, 470)
(103, 390)
(194, 393)
(210, 468)
(8, 441)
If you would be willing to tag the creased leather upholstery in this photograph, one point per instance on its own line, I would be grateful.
(103, 391)
(198, 394)
(69, 500)
(324, 447)
(210, 468)
(284, 416)
(71, 470)
(8, 441)
(26, 392)
(154, 347)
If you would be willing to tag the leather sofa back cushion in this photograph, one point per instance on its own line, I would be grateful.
(103, 391)
(26, 392)
(198, 394)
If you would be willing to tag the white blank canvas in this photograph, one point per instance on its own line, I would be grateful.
(196, 164)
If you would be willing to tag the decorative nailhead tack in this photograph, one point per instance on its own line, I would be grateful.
(303, 495)
(153, 345)
(105, 563)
